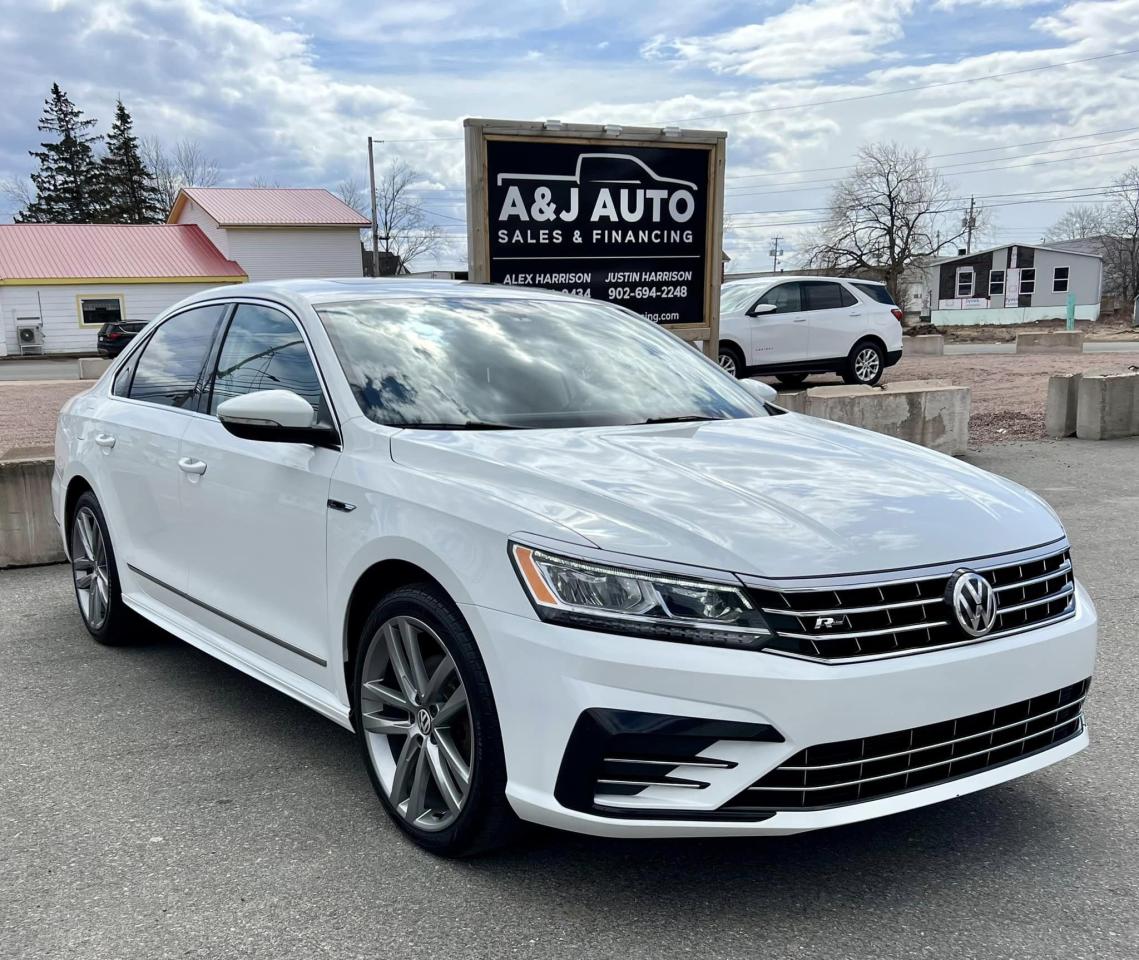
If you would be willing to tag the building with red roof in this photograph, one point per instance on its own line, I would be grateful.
(64, 281)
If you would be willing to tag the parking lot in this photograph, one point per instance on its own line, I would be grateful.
(156, 803)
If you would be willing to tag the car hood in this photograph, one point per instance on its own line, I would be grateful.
(777, 496)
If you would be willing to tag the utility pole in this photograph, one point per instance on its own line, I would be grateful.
(970, 223)
(375, 220)
(776, 252)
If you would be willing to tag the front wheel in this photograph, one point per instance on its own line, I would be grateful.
(732, 361)
(865, 365)
(427, 724)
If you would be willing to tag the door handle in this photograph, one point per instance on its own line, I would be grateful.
(188, 465)
(856, 313)
(104, 440)
(799, 320)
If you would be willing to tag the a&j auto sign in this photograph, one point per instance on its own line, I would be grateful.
(631, 218)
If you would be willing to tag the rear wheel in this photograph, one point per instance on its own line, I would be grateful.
(732, 360)
(427, 724)
(791, 379)
(865, 365)
(96, 578)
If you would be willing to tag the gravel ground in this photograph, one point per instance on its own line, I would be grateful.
(28, 411)
(1009, 391)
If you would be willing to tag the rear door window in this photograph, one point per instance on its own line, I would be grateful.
(822, 295)
(786, 298)
(876, 292)
(169, 369)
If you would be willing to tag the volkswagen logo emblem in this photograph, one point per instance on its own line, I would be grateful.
(973, 601)
(423, 721)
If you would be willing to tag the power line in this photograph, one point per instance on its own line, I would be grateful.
(954, 153)
(901, 90)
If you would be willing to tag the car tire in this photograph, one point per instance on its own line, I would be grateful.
(865, 365)
(732, 361)
(791, 379)
(418, 763)
(95, 577)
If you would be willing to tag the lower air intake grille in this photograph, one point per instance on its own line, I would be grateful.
(851, 771)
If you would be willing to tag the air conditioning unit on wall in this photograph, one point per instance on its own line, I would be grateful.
(30, 335)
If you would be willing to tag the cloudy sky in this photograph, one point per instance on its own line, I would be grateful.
(288, 90)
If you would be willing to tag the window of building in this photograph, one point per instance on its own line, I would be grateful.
(1028, 280)
(1060, 280)
(95, 311)
(965, 277)
(169, 369)
(996, 283)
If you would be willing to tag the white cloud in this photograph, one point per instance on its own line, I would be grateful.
(808, 39)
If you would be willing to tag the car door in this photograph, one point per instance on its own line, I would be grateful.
(139, 432)
(256, 511)
(779, 336)
(834, 319)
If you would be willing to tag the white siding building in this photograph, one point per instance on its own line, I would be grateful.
(67, 280)
(276, 233)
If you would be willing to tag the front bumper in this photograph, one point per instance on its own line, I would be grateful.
(546, 677)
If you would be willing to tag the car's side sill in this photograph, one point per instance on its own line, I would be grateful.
(225, 616)
(310, 694)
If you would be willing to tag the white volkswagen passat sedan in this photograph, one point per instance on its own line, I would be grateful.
(553, 565)
(791, 327)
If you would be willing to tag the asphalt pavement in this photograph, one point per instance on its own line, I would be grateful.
(155, 803)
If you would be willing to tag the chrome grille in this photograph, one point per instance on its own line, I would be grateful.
(851, 771)
(908, 616)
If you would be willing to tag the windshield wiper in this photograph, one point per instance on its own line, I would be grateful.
(461, 425)
(690, 418)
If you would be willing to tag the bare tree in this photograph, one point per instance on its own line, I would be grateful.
(1079, 223)
(1121, 246)
(18, 191)
(263, 182)
(404, 227)
(356, 196)
(185, 166)
(893, 210)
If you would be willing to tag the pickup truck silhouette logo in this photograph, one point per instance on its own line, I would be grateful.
(642, 195)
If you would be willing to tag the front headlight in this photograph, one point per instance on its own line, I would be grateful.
(594, 596)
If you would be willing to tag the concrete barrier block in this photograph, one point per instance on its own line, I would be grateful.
(92, 368)
(1063, 399)
(1060, 341)
(924, 345)
(28, 532)
(934, 414)
(793, 400)
(1106, 408)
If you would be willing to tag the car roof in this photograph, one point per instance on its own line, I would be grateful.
(317, 291)
(782, 278)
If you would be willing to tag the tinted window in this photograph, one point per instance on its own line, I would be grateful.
(821, 295)
(876, 291)
(97, 310)
(169, 369)
(132, 326)
(264, 350)
(785, 297)
(523, 363)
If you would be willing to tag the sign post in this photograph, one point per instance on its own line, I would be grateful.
(629, 215)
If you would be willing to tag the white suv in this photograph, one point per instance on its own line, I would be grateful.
(613, 591)
(795, 326)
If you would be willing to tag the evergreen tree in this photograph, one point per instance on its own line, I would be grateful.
(129, 194)
(67, 183)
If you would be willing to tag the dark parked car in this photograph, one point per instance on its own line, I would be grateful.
(114, 336)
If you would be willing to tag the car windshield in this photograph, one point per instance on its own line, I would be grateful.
(736, 297)
(472, 363)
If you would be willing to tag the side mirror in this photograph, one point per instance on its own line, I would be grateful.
(280, 416)
(763, 392)
(760, 309)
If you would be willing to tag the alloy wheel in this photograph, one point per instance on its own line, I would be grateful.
(866, 364)
(90, 569)
(728, 363)
(414, 711)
